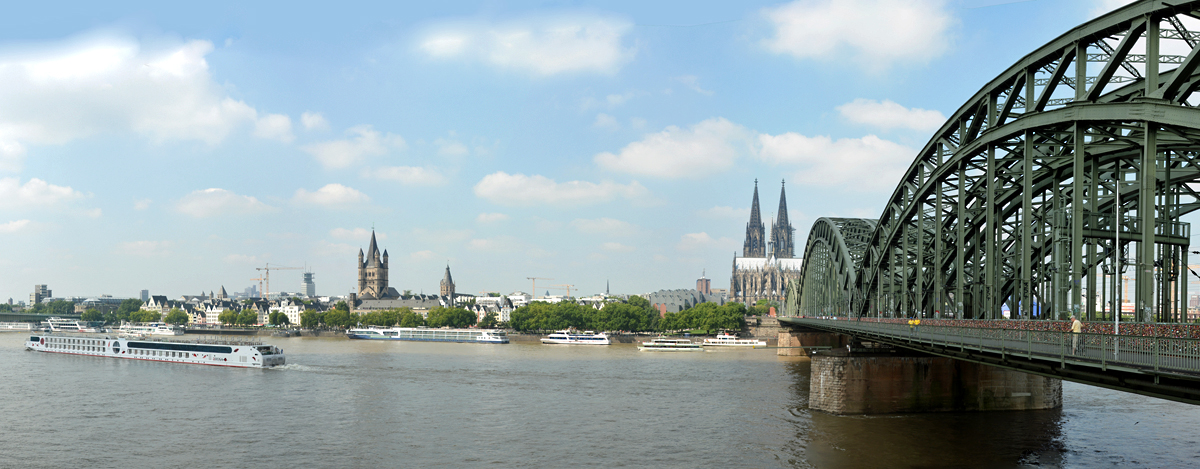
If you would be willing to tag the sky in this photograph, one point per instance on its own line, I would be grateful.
(177, 148)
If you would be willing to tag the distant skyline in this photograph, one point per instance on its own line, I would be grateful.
(176, 148)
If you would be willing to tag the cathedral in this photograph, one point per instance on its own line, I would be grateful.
(373, 274)
(766, 264)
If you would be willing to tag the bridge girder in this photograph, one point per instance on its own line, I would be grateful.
(1016, 200)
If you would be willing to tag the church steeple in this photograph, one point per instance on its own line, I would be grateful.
(755, 245)
(447, 287)
(781, 230)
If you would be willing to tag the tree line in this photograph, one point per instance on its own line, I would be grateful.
(635, 316)
(340, 317)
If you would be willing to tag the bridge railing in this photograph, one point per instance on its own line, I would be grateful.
(1162, 355)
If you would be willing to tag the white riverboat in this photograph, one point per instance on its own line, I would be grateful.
(727, 340)
(236, 354)
(69, 325)
(16, 327)
(663, 344)
(576, 338)
(147, 330)
(425, 334)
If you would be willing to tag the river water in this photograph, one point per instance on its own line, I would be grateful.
(341, 403)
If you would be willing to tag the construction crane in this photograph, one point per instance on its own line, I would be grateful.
(260, 283)
(267, 277)
(563, 287)
(535, 279)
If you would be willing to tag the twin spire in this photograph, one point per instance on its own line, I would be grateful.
(780, 243)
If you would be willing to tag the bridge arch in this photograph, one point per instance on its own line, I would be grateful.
(828, 274)
(1065, 173)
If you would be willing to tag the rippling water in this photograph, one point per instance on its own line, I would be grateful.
(362, 404)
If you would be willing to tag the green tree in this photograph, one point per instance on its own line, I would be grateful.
(142, 315)
(176, 316)
(248, 317)
(228, 317)
(340, 318)
(91, 314)
(490, 321)
(310, 318)
(5, 308)
(409, 318)
(450, 317)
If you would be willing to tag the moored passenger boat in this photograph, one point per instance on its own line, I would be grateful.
(727, 340)
(575, 338)
(236, 354)
(147, 330)
(663, 344)
(425, 334)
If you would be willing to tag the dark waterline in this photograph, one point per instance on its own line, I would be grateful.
(362, 404)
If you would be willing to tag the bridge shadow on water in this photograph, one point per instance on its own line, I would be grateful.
(945, 439)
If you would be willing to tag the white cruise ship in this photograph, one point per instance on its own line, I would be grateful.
(727, 340)
(425, 334)
(663, 344)
(147, 330)
(575, 338)
(242, 355)
(68, 325)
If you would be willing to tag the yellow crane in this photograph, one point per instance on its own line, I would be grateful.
(535, 279)
(563, 287)
(267, 277)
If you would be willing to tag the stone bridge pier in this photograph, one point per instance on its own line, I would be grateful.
(852, 377)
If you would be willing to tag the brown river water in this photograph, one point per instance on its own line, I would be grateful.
(342, 403)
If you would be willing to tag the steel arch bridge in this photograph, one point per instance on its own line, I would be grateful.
(1066, 173)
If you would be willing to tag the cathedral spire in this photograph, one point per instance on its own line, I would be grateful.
(373, 251)
(781, 230)
(755, 245)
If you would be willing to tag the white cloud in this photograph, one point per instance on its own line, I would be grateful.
(875, 33)
(491, 217)
(364, 141)
(451, 147)
(274, 127)
(141, 204)
(411, 175)
(34, 193)
(706, 148)
(541, 45)
(145, 248)
(519, 189)
(421, 255)
(331, 195)
(13, 226)
(607, 226)
(889, 115)
(867, 162)
(1101, 7)
(214, 202)
(313, 121)
(357, 234)
(692, 82)
(605, 121)
(617, 247)
(703, 242)
(59, 91)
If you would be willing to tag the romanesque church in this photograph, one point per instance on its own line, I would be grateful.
(766, 264)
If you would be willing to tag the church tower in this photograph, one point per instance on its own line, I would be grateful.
(781, 231)
(755, 245)
(447, 287)
(372, 272)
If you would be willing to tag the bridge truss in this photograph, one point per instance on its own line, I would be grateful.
(1064, 175)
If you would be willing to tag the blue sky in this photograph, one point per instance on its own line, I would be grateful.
(176, 148)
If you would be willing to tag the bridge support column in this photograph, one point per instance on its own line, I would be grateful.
(883, 383)
(789, 341)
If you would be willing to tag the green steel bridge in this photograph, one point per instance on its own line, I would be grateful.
(1060, 182)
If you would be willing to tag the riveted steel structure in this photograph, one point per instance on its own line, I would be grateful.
(832, 257)
(1061, 177)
